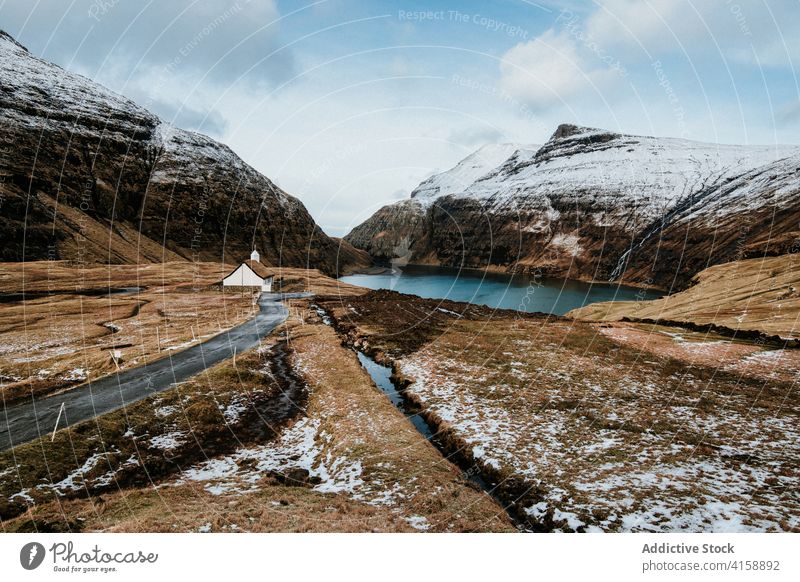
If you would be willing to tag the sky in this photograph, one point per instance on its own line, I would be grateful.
(349, 104)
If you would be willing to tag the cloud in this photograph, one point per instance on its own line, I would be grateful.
(547, 70)
(224, 40)
(209, 122)
(473, 137)
(649, 24)
(175, 58)
(789, 113)
(752, 33)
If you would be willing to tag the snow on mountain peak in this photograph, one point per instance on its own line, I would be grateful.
(598, 163)
(7, 39)
(464, 173)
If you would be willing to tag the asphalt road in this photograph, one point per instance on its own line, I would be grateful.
(29, 420)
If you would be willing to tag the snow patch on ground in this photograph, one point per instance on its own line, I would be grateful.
(594, 475)
(418, 522)
(233, 411)
(168, 441)
(297, 447)
(77, 375)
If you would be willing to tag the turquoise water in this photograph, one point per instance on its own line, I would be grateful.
(519, 292)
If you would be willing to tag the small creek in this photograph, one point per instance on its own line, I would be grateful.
(382, 377)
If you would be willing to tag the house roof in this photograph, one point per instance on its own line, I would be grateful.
(258, 268)
(255, 266)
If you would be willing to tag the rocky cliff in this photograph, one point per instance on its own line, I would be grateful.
(597, 205)
(89, 176)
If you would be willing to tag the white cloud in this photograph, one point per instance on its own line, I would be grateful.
(547, 70)
(652, 25)
(476, 136)
(224, 40)
(752, 33)
(789, 112)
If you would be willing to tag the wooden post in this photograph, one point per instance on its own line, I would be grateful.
(55, 428)
(158, 340)
(234, 356)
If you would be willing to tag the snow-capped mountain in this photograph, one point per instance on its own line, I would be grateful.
(90, 175)
(594, 204)
(463, 174)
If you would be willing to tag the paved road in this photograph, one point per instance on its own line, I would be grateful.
(29, 420)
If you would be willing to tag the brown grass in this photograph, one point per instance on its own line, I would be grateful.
(126, 447)
(366, 426)
(585, 432)
(189, 508)
(62, 340)
(403, 480)
(146, 496)
(57, 342)
(289, 280)
(755, 294)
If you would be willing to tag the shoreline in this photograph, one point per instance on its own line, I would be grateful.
(481, 272)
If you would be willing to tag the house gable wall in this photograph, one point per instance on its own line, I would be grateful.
(243, 277)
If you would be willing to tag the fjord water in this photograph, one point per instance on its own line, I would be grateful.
(520, 292)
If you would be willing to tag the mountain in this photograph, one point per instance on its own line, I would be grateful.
(593, 204)
(89, 176)
(463, 174)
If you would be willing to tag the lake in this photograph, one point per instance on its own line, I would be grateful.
(519, 292)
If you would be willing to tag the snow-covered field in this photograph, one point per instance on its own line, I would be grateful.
(607, 444)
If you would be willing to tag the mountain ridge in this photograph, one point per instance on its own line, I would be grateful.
(594, 204)
(90, 176)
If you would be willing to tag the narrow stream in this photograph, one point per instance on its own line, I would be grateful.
(382, 375)
(289, 403)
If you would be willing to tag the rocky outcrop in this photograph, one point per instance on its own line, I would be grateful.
(89, 176)
(598, 205)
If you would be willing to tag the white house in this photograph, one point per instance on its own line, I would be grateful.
(250, 274)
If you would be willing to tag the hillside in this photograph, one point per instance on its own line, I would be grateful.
(755, 294)
(597, 205)
(89, 176)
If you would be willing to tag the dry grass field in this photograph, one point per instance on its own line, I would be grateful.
(584, 432)
(296, 437)
(149, 441)
(354, 442)
(755, 294)
(290, 280)
(54, 342)
(575, 426)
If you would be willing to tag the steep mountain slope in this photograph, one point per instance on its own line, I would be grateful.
(88, 175)
(463, 174)
(389, 231)
(756, 214)
(593, 204)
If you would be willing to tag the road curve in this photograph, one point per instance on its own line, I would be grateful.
(27, 421)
